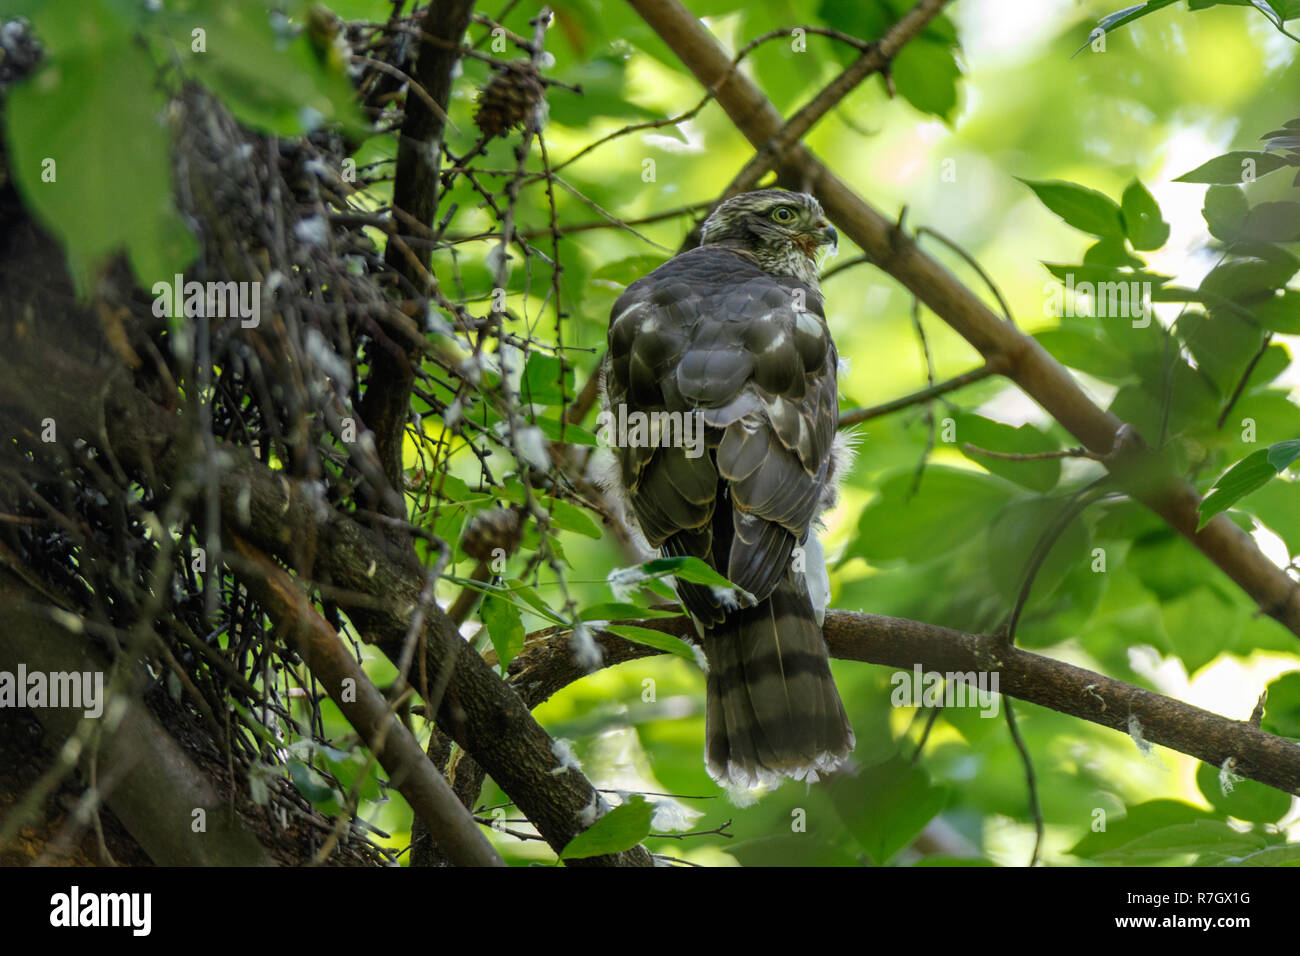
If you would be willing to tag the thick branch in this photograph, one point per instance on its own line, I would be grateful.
(1028, 364)
(410, 771)
(387, 398)
(546, 665)
(155, 787)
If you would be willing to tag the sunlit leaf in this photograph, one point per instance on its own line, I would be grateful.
(620, 829)
(1247, 475)
(1083, 208)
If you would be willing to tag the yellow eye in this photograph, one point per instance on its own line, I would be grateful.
(783, 214)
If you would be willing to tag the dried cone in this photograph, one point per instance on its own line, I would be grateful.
(487, 531)
(508, 99)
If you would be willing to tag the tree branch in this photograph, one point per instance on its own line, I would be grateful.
(859, 415)
(410, 771)
(415, 192)
(545, 666)
(156, 788)
(877, 59)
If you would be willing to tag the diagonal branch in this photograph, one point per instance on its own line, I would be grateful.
(1141, 472)
(877, 59)
(410, 771)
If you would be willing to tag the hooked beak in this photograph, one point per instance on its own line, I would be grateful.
(827, 236)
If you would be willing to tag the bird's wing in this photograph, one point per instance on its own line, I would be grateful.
(710, 331)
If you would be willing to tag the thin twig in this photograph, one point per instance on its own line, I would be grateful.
(1241, 383)
(1079, 452)
(915, 398)
(1031, 780)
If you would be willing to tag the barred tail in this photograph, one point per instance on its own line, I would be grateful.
(772, 706)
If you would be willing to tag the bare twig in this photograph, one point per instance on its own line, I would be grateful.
(1031, 780)
(1079, 452)
(924, 395)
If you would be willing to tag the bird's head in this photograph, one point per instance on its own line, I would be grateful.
(783, 231)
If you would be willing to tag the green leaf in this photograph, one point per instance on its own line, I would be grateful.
(1140, 820)
(1084, 209)
(347, 767)
(78, 26)
(1231, 169)
(540, 383)
(1271, 9)
(1280, 313)
(1282, 709)
(947, 510)
(1208, 840)
(652, 638)
(1038, 475)
(1245, 280)
(687, 569)
(531, 597)
(505, 626)
(1248, 799)
(1225, 211)
(793, 850)
(572, 518)
(1277, 506)
(1111, 253)
(925, 74)
(1288, 855)
(568, 432)
(1077, 275)
(621, 611)
(1283, 453)
(89, 121)
(1087, 353)
(1223, 345)
(1252, 472)
(621, 829)
(1014, 534)
(602, 79)
(1273, 222)
(626, 271)
(269, 78)
(1200, 626)
(1113, 21)
(310, 784)
(1145, 227)
(886, 805)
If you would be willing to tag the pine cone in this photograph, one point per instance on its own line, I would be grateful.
(508, 99)
(489, 530)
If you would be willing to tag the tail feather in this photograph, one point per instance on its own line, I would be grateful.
(772, 708)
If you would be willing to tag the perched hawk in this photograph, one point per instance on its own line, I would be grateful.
(734, 334)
